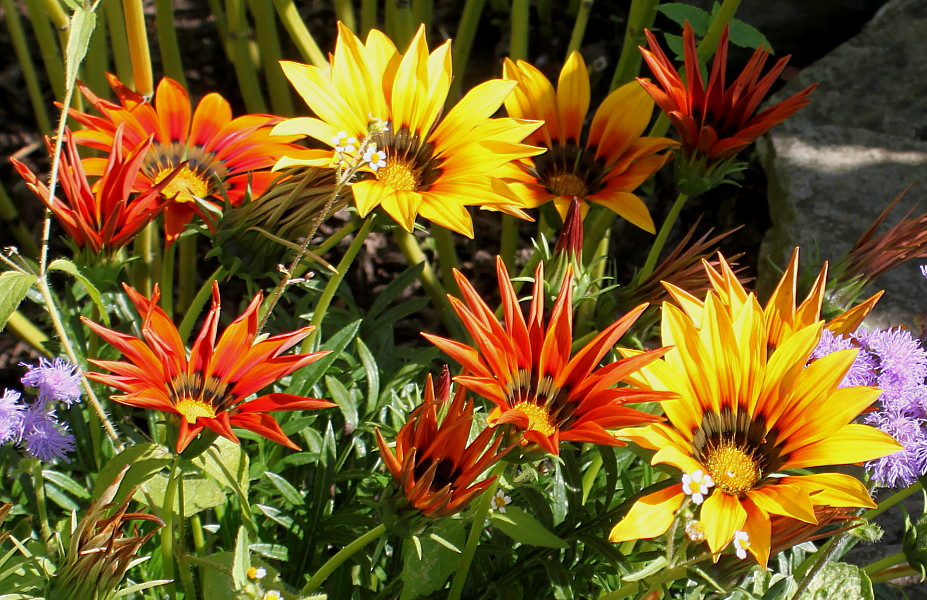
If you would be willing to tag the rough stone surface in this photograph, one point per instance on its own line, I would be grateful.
(835, 165)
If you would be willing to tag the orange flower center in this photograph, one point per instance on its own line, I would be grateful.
(192, 409)
(538, 418)
(186, 186)
(566, 184)
(399, 176)
(733, 470)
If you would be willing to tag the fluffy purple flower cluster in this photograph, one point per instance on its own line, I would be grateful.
(34, 425)
(895, 361)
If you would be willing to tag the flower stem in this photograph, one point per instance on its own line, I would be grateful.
(579, 26)
(299, 33)
(26, 65)
(196, 305)
(48, 45)
(38, 483)
(640, 17)
(187, 271)
(662, 235)
(463, 43)
(476, 530)
(240, 44)
(335, 282)
(338, 559)
(368, 17)
(265, 26)
(138, 47)
(167, 41)
(119, 43)
(167, 280)
(447, 255)
(892, 500)
(26, 330)
(884, 563)
(409, 247)
(167, 532)
(709, 43)
(519, 20)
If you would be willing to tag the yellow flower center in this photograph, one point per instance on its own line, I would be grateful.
(733, 470)
(567, 184)
(186, 186)
(192, 409)
(399, 176)
(538, 419)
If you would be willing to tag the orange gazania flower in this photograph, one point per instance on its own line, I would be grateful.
(526, 370)
(606, 168)
(207, 386)
(433, 463)
(716, 121)
(746, 423)
(218, 155)
(103, 216)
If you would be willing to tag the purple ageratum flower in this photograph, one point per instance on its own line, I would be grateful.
(863, 371)
(58, 380)
(11, 417)
(905, 466)
(44, 437)
(902, 360)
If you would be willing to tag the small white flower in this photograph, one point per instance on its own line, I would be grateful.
(344, 144)
(697, 484)
(375, 159)
(257, 572)
(272, 595)
(695, 530)
(741, 543)
(500, 501)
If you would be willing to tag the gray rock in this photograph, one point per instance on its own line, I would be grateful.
(835, 165)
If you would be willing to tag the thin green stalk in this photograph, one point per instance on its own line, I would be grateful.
(662, 235)
(58, 17)
(332, 286)
(146, 248)
(368, 16)
(508, 241)
(447, 256)
(26, 65)
(709, 43)
(248, 82)
(896, 572)
(344, 12)
(167, 41)
(399, 25)
(48, 44)
(196, 305)
(480, 513)
(116, 25)
(167, 532)
(96, 64)
(187, 271)
(884, 563)
(463, 43)
(333, 240)
(137, 35)
(892, 500)
(38, 483)
(218, 13)
(167, 280)
(20, 326)
(265, 26)
(640, 17)
(410, 249)
(300, 35)
(421, 13)
(579, 26)
(520, 22)
(338, 559)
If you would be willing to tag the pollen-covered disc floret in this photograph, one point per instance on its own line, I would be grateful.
(751, 416)
(697, 484)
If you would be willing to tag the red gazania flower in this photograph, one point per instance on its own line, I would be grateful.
(526, 370)
(218, 155)
(101, 216)
(433, 463)
(208, 386)
(717, 121)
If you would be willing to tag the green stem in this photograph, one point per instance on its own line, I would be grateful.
(399, 26)
(897, 572)
(167, 41)
(38, 482)
(640, 17)
(48, 45)
(248, 81)
(332, 286)
(26, 65)
(368, 18)
(145, 247)
(662, 235)
(519, 22)
(447, 256)
(592, 471)
(116, 26)
(167, 280)
(20, 326)
(409, 247)
(344, 12)
(825, 553)
(480, 513)
(187, 271)
(265, 26)
(885, 563)
(96, 63)
(338, 559)
(422, 11)
(508, 242)
(167, 532)
(137, 35)
(463, 43)
(579, 26)
(196, 305)
(332, 240)
(709, 43)
(892, 500)
(299, 33)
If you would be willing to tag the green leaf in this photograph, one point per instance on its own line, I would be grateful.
(289, 493)
(372, 373)
(13, 288)
(304, 379)
(218, 585)
(421, 577)
(680, 13)
(272, 551)
(839, 581)
(344, 399)
(71, 269)
(66, 483)
(524, 528)
(199, 493)
(146, 460)
(228, 464)
(241, 560)
(82, 24)
(747, 36)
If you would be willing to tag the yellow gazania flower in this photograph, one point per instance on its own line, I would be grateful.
(745, 416)
(783, 318)
(613, 161)
(418, 163)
